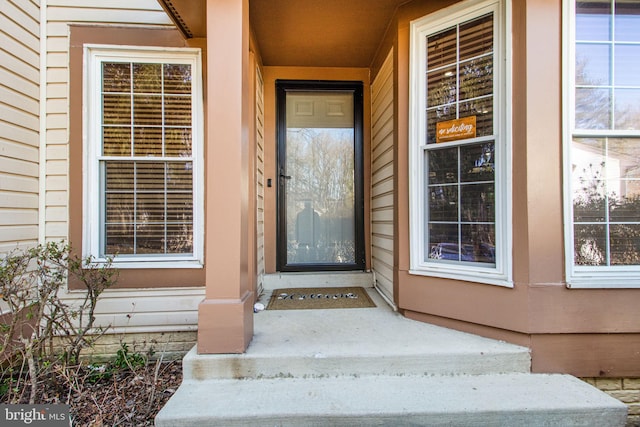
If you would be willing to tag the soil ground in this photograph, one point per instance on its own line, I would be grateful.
(125, 396)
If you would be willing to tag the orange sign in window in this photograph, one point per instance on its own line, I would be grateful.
(453, 130)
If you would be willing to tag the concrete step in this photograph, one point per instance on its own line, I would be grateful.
(372, 366)
(478, 400)
(364, 341)
(471, 359)
(360, 341)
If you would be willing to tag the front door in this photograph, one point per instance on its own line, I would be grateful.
(320, 184)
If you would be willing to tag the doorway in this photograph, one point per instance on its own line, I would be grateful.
(320, 211)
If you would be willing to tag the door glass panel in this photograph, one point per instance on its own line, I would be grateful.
(319, 178)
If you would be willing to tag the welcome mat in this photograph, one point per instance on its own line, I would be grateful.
(319, 298)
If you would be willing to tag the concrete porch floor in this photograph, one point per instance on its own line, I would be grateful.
(358, 341)
(372, 366)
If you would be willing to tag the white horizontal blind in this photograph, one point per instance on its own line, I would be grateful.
(146, 161)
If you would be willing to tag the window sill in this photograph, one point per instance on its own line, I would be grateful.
(473, 277)
(605, 281)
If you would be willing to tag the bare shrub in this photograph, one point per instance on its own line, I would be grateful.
(42, 333)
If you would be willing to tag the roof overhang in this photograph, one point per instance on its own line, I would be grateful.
(327, 33)
(188, 15)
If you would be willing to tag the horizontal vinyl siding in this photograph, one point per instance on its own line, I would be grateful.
(19, 122)
(382, 177)
(148, 310)
(61, 13)
(136, 310)
(260, 262)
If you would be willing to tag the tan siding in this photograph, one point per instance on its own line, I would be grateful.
(19, 122)
(19, 37)
(24, 14)
(57, 60)
(56, 138)
(57, 90)
(382, 177)
(22, 11)
(18, 200)
(56, 213)
(383, 186)
(19, 76)
(57, 183)
(20, 143)
(22, 118)
(382, 201)
(8, 97)
(26, 184)
(136, 310)
(18, 167)
(15, 151)
(18, 233)
(61, 13)
(142, 12)
(260, 264)
(383, 243)
(56, 198)
(15, 133)
(56, 151)
(59, 44)
(56, 167)
(126, 310)
(12, 217)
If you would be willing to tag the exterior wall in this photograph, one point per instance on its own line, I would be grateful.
(168, 345)
(260, 178)
(146, 310)
(61, 13)
(271, 74)
(582, 332)
(382, 180)
(170, 305)
(256, 177)
(19, 123)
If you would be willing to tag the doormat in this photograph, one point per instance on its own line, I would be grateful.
(319, 298)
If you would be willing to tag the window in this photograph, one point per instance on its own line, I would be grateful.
(458, 145)
(143, 157)
(602, 148)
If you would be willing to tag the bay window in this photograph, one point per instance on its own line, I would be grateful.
(602, 143)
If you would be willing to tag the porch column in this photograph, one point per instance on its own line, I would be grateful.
(225, 317)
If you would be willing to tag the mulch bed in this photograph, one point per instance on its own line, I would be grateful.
(123, 397)
(129, 398)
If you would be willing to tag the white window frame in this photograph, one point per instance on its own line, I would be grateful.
(596, 277)
(94, 56)
(501, 274)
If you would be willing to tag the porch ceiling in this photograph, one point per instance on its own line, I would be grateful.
(308, 33)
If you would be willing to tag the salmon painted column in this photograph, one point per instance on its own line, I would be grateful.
(225, 317)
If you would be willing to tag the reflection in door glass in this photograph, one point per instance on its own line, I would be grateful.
(319, 166)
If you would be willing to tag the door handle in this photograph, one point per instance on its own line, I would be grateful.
(285, 176)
